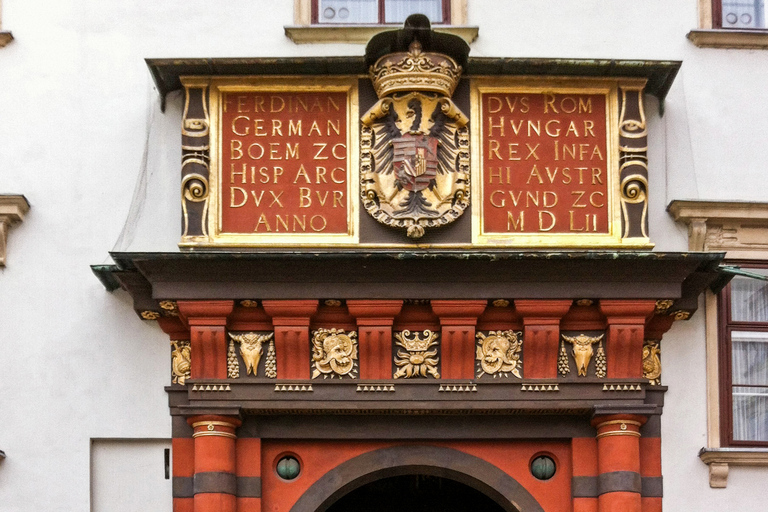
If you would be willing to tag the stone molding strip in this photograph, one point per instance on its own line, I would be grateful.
(217, 482)
(617, 481)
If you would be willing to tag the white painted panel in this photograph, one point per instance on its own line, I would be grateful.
(128, 475)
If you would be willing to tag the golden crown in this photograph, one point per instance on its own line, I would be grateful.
(415, 71)
(416, 343)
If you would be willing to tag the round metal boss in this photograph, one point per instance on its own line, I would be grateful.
(288, 468)
(543, 467)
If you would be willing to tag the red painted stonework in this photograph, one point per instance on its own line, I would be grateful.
(542, 335)
(618, 449)
(374, 323)
(626, 332)
(183, 465)
(214, 452)
(457, 345)
(500, 318)
(291, 323)
(207, 321)
(513, 457)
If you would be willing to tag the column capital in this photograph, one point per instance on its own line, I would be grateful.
(374, 312)
(214, 425)
(206, 312)
(290, 312)
(627, 311)
(542, 311)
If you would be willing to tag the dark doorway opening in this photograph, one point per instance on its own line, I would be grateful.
(415, 493)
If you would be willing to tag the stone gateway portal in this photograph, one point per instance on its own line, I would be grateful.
(359, 317)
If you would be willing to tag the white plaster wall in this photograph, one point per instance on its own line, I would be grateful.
(78, 110)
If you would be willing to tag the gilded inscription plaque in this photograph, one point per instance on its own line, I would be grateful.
(548, 163)
(283, 162)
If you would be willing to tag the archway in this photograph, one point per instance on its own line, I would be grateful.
(422, 493)
(431, 461)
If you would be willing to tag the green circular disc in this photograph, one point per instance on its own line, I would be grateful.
(288, 468)
(543, 467)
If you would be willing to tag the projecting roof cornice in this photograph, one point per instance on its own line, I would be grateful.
(660, 74)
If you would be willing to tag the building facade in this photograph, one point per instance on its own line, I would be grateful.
(290, 261)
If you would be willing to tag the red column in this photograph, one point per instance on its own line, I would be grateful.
(626, 329)
(374, 323)
(291, 321)
(215, 481)
(541, 338)
(207, 320)
(458, 319)
(618, 461)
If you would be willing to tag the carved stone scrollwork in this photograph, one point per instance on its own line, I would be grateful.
(652, 362)
(498, 353)
(195, 159)
(419, 359)
(334, 353)
(633, 163)
(181, 361)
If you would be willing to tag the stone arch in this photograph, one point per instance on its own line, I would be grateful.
(428, 460)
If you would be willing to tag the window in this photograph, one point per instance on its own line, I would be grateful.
(357, 21)
(731, 24)
(738, 14)
(737, 332)
(362, 12)
(744, 361)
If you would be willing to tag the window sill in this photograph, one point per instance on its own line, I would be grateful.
(744, 39)
(361, 34)
(5, 38)
(719, 459)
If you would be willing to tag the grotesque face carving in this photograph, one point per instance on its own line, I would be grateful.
(498, 353)
(334, 353)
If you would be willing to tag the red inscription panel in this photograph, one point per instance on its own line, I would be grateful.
(284, 163)
(545, 163)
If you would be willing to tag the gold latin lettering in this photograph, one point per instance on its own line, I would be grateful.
(552, 220)
(593, 202)
(513, 224)
(491, 126)
(234, 127)
(263, 220)
(552, 202)
(338, 195)
(232, 201)
(277, 127)
(235, 148)
(596, 171)
(532, 151)
(579, 194)
(513, 151)
(494, 202)
(294, 129)
(322, 146)
(272, 104)
(322, 220)
(241, 104)
(494, 104)
(333, 175)
(258, 128)
(250, 151)
(305, 199)
(493, 147)
(494, 175)
(276, 198)
(314, 128)
(233, 173)
(302, 172)
(343, 148)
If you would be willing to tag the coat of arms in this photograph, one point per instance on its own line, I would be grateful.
(415, 143)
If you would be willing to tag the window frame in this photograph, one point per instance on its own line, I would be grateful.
(725, 357)
(710, 33)
(717, 19)
(315, 16)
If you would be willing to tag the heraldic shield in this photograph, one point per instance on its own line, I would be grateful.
(415, 143)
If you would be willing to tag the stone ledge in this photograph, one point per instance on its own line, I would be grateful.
(5, 38)
(743, 39)
(719, 460)
(12, 210)
(361, 34)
